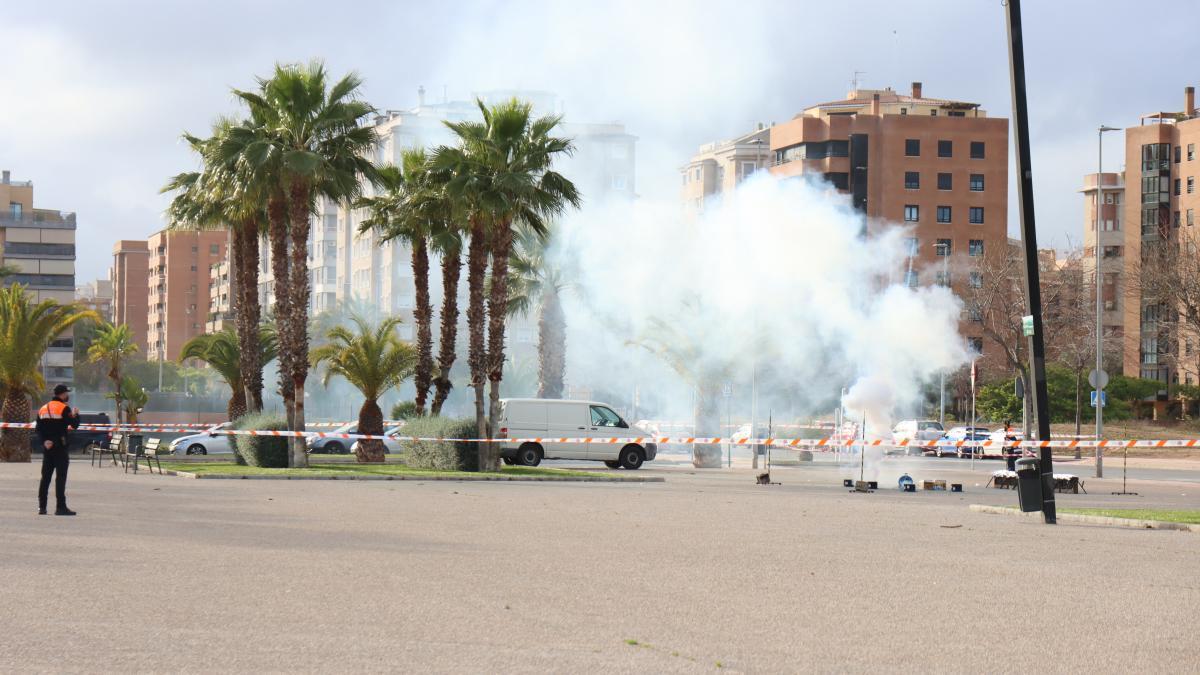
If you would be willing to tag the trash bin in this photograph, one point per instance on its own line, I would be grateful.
(1029, 484)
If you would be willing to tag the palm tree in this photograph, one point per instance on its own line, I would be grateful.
(448, 242)
(111, 344)
(401, 212)
(537, 279)
(680, 346)
(6, 271)
(26, 331)
(306, 138)
(134, 397)
(501, 167)
(222, 196)
(373, 359)
(220, 351)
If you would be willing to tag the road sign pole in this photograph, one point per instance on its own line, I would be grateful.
(1033, 293)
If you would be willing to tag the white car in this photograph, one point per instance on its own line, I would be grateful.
(543, 418)
(917, 430)
(390, 446)
(204, 443)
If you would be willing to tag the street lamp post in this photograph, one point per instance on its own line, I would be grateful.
(944, 251)
(1099, 302)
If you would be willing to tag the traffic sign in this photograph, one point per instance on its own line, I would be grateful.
(1027, 325)
(1098, 378)
(1103, 399)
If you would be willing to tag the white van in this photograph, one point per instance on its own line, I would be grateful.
(554, 418)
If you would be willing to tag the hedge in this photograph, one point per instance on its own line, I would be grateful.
(443, 455)
(264, 451)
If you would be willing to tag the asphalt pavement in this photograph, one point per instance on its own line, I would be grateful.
(706, 572)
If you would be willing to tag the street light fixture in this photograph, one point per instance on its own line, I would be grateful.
(943, 249)
(1099, 302)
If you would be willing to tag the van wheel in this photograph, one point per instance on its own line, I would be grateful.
(612, 464)
(632, 457)
(529, 454)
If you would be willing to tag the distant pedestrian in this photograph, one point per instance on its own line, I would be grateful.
(54, 423)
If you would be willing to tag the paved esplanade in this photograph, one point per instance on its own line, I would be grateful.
(168, 574)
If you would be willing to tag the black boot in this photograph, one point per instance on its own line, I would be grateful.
(62, 510)
(41, 510)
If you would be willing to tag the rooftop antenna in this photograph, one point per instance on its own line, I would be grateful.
(854, 80)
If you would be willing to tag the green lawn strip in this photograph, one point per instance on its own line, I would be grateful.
(349, 470)
(1191, 517)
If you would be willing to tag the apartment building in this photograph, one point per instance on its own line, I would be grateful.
(1109, 226)
(220, 302)
(718, 167)
(937, 166)
(1162, 167)
(130, 277)
(180, 265)
(39, 246)
(97, 296)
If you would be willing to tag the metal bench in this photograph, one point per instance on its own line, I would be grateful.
(148, 451)
(112, 446)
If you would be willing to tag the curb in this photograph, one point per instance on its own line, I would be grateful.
(1129, 523)
(467, 479)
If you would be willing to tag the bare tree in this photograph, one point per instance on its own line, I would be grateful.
(1167, 279)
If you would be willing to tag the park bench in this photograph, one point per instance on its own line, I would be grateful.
(148, 451)
(112, 446)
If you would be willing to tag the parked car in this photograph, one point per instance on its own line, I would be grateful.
(542, 418)
(204, 443)
(390, 445)
(80, 439)
(917, 430)
(333, 446)
(965, 434)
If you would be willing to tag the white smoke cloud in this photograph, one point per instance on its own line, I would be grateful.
(776, 275)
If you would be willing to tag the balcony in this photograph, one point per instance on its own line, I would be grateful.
(41, 218)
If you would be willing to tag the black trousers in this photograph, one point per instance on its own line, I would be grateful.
(54, 463)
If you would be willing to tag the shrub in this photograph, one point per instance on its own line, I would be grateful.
(265, 451)
(444, 455)
(405, 410)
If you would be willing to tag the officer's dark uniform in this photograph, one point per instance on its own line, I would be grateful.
(54, 421)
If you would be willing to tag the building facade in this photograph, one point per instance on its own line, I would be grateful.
(1162, 167)
(130, 277)
(38, 246)
(1109, 226)
(180, 265)
(97, 296)
(719, 167)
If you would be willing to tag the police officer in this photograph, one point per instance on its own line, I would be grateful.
(54, 422)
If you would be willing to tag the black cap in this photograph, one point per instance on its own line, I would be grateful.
(61, 389)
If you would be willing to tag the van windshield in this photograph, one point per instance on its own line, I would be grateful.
(603, 417)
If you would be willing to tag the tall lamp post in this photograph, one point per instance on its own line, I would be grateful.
(1099, 303)
(943, 249)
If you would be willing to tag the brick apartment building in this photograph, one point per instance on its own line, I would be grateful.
(130, 274)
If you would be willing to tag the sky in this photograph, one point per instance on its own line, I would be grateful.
(94, 95)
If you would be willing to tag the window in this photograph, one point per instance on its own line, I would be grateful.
(933, 113)
(975, 344)
(1178, 154)
(1191, 151)
(911, 278)
(839, 179)
(974, 313)
(942, 278)
(943, 214)
(976, 215)
(912, 213)
(912, 147)
(977, 150)
(976, 182)
(684, 176)
(1191, 184)
(195, 249)
(943, 247)
(214, 249)
(618, 181)
(975, 248)
(912, 180)
(603, 417)
(1190, 218)
(914, 245)
(956, 113)
(1178, 183)
(904, 111)
(1175, 220)
(976, 280)
(14, 208)
(945, 148)
(747, 169)
(945, 181)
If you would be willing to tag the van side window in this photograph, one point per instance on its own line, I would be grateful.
(603, 417)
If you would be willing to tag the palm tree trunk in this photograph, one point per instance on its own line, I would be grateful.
(370, 421)
(552, 344)
(423, 314)
(236, 408)
(248, 314)
(476, 355)
(497, 315)
(301, 211)
(278, 233)
(115, 374)
(451, 269)
(14, 443)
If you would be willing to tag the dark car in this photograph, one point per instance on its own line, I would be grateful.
(80, 439)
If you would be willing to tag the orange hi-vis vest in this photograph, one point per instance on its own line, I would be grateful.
(54, 421)
(54, 410)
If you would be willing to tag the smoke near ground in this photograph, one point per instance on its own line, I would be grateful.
(777, 279)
